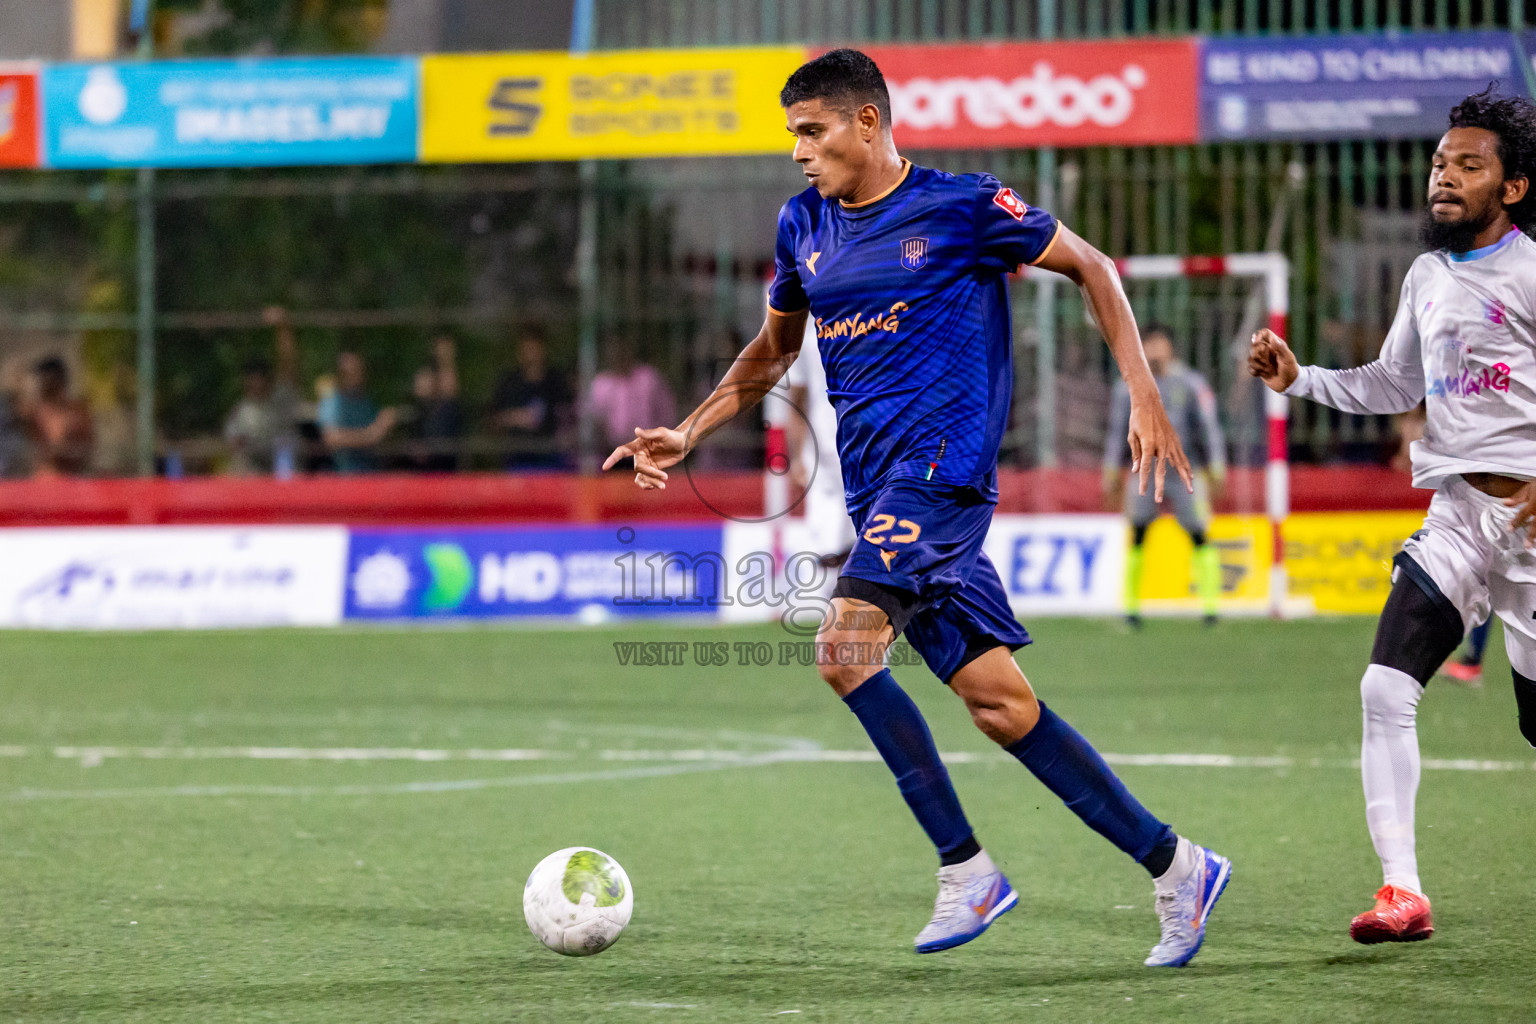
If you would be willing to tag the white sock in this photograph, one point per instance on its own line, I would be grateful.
(1183, 863)
(980, 864)
(1389, 769)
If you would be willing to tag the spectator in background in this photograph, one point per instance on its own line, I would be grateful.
(13, 437)
(351, 424)
(528, 405)
(59, 426)
(261, 428)
(628, 394)
(437, 419)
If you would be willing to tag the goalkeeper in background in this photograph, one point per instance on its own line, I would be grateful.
(1191, 406)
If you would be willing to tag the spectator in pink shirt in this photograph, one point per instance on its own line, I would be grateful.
(628, 394)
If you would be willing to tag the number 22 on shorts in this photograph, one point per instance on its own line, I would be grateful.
(883, 523)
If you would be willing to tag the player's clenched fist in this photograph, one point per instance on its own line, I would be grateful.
(1271, 360)
(653, 450)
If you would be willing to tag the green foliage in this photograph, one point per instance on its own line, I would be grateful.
(283, 26)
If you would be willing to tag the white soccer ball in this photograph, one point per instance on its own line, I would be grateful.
(577, 901)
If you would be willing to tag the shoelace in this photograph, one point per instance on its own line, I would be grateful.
(1171, 921)
(951, 896)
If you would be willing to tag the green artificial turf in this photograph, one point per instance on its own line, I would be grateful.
(144, 883)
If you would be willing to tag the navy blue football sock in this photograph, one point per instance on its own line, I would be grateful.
(902, 737)
(1060, 757)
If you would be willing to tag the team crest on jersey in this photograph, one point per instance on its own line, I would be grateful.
(914, 253)
(1011, 203)
(1495, 312)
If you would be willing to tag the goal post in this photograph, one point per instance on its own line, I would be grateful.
(1271, 271)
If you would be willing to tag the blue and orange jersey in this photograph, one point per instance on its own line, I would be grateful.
(909, 298)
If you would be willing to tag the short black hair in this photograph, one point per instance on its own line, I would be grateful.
(1157, 327)
(845, 79)
(1513, 120)
(51, 366)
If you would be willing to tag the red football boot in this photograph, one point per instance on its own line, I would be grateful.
(1400, 915)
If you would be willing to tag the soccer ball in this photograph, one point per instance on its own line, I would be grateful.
(578, 901)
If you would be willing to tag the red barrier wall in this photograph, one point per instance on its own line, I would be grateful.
(560, 497)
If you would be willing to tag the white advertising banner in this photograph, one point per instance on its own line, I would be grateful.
(1060, 565)
(1049, 564)
(171, 577)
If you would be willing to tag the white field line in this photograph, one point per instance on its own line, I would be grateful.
(800, 750)
(649, 763)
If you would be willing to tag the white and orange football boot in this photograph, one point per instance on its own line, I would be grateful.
(1400, 915)
(971, 896)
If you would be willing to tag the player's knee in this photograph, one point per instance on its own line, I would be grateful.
(843, 678)
(845, 659)
(1389, 695)
(1004, 719)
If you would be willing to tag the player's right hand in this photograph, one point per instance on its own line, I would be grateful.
(654, 450)
(1271, 360)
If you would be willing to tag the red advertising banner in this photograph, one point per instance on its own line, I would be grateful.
(993, 95)
(18, 117)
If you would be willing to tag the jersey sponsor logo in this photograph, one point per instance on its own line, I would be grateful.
(1468, 384)
(914, 253)
(1011, 203)
(887, 557)
(857, 326)
(810, 262)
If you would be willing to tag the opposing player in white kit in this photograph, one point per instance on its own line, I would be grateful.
(1464, 341)
(812, 442)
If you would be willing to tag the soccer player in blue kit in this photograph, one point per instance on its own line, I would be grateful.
(904, 270)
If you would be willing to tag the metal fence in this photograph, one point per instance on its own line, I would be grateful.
(683, 244)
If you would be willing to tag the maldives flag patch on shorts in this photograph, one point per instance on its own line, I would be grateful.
(1009, 201)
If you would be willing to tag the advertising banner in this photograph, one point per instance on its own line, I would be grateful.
(999, 95)
(171, 577)
(1244, 544)
(1335, 87)
(552, 106)
(1060, 565)
(591, 572)
(1342, 561)
(18, 116)
(332, 110)
(1050, 565)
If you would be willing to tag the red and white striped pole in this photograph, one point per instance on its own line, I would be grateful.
(1275, 269)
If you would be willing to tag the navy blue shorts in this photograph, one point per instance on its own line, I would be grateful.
(919, 558)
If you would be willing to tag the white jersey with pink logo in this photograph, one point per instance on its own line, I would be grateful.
(1463, 342)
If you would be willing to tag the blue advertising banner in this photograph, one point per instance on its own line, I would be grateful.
(591, 572)
(333, 110)
(1336, 87)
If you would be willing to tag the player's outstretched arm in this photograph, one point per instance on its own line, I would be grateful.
(755, 371)
(1154, 442)
(1392, 382)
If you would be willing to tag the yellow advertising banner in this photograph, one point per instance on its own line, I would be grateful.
(1338, 563)
(1342, 561)
(635, 103)
(1244, 543)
